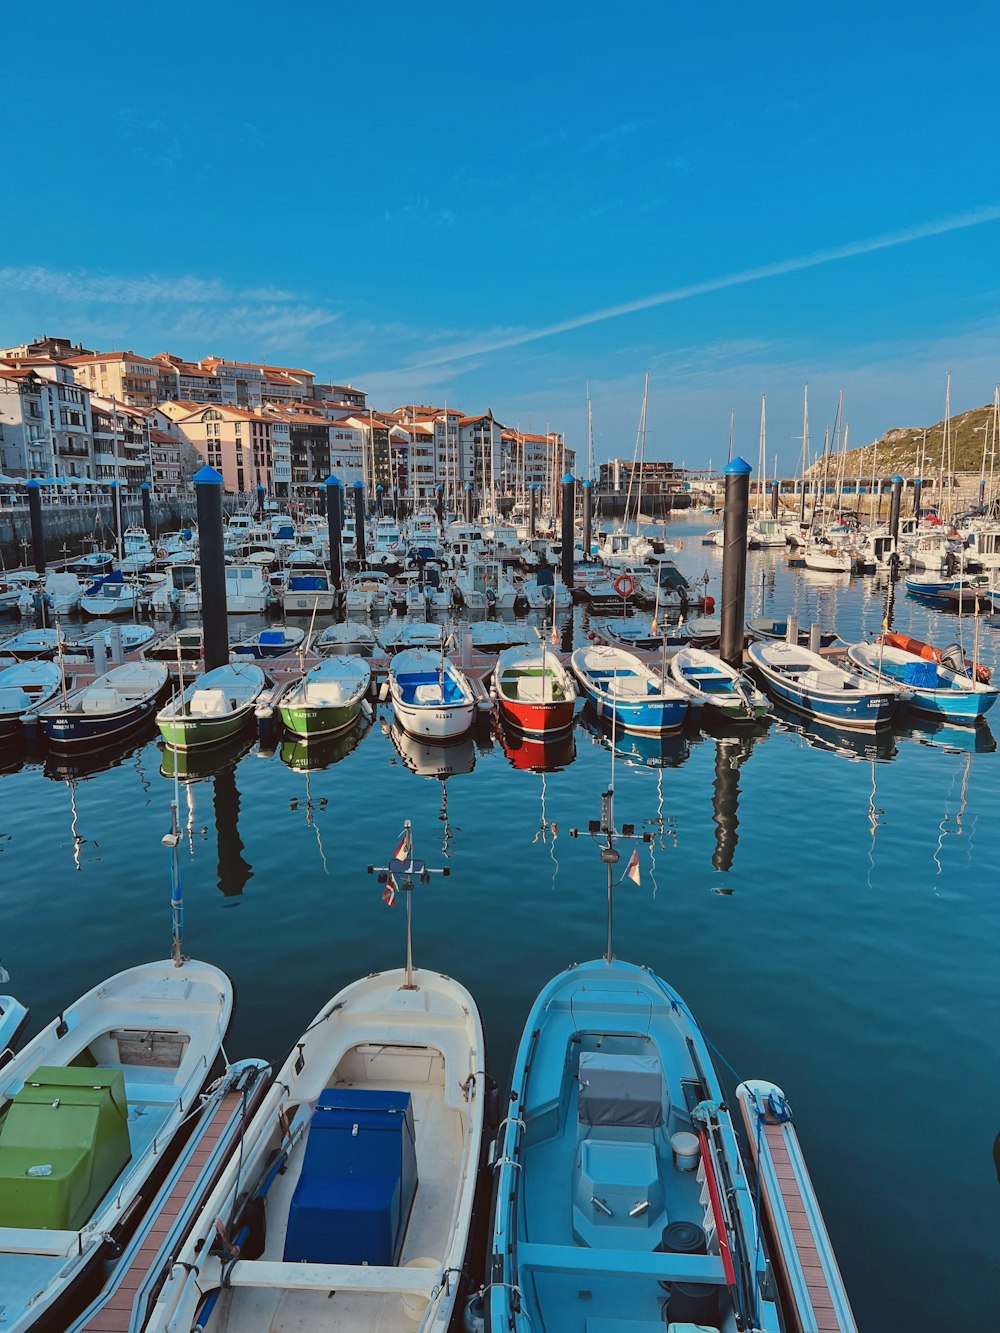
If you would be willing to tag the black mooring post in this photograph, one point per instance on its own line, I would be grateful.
(147, 509)
(439, 503)
(116, 526)
(533, 510)
(895, 500)
(359, 521)
(212, 558)
(918, 484)
(774, 499)
(568, 516)
(335, 528)
(468, 502)
(261, 493)
(734, 560)
(37, 527)
(588, 517)
(802, 503)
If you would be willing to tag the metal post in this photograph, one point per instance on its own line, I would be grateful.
(588, 504)
(335, 528)
(894, 503)
(37, 527)
(532, 510)
(147, 509)
(379, 500)
(468, 502)
(116, 518)
(734, 560)
(395, 503)
(917, 491)
(802, 503)
(261, 493)
(568, 527)
(774, 499)
(359, 521)
(439, 503)
(211, 556)
(321, 501)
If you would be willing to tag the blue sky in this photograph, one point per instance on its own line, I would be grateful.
(444, 202)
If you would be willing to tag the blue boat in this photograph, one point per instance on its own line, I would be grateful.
(626, 690)
(814, 685)
(621, 1198)
(13, 1017)
(931, 687)
(266, 643)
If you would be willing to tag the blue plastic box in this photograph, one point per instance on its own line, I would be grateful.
(359, 1176)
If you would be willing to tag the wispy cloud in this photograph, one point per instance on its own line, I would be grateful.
(779, 268)
(114, 289)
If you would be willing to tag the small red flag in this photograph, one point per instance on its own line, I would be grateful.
(390, 891)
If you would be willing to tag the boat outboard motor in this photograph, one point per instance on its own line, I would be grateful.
(953, 658)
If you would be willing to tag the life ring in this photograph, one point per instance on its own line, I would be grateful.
(624, 585)
(162, 553)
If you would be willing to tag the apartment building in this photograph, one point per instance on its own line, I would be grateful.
(237, 442)
(179, 379)
(45, 421)
(124, 376)
(534, 460)
(165, 450)
(251, 384)
(122, 451)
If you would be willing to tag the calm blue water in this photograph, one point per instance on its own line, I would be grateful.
(827, 905)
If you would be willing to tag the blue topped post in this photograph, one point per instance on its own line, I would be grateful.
(395, 503)
(116, 517)
(918, 484)
(588, 517)
(439, 503)
(261, 493)
(37, 527)
(774, 499)
(147, 508)
(532, 509)
(568, 518)
(735, 518)
(335, 529)
(468, 502)
(359, 521)
(379, 500)
(212, 558)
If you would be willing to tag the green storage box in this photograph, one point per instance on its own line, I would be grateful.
(63, 1144)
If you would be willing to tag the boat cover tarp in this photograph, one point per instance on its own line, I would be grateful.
(271, 637)
(63, 1144)
(621, 1090)
(359, 1176)
(923, 675)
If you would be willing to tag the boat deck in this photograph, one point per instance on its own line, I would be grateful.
(270, 1308)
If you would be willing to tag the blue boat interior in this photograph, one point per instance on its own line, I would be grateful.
(708, 679)
(623, 683)
(614, 1225)
(429, 688)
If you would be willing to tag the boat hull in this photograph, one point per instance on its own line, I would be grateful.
(856, 709)
(544, 719)
(191, 733)
(311, 721)
(75, 729)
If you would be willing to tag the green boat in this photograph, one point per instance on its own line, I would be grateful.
(214, 707)
(327, 699)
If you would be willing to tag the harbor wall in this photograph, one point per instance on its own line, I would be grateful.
(69, 526)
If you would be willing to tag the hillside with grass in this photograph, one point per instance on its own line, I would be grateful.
(901, 449)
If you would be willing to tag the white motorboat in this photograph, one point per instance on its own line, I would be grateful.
(365, 1154)
(430, 696)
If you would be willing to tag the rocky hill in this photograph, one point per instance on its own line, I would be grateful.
(900, 450)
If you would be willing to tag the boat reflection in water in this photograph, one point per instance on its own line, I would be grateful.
(956, 740)
(12, 755)
(537, 754)
(851, 744)
(62, 764)
(434, 761)
(309, 756)
(640, 751)
(197, 765)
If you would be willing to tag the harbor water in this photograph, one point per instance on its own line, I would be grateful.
(826, 903)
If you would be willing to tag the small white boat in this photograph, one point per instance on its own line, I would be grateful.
(717, 685)
(365, 1154)
(370, 593)
(430, 696)
(622, 687)
(60, 594)
(398, 634)
(492, 636)
(24, 686)
(131, 637)
(483, 586)
(308, 591)
(325, 700)
(352, 638)
(214, 707)
(113, 598)
(264, 643)
(30, 645)
(814, 685)
(13, 1016)
(90, 1106)
(247, 590)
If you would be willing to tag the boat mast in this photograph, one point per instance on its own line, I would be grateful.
(805, 455)
(761, 448)
(640, 437)
(405, 868)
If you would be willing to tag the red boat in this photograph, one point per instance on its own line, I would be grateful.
(929, 653)
(534, 691)
(537, 754)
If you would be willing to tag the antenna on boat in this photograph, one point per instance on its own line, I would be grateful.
(609, 852)
(398, 876)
